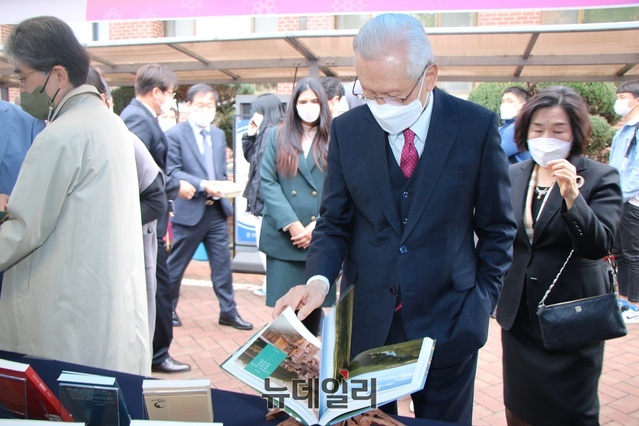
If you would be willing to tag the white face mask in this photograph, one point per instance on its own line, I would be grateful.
(544, 150)
(203, 118)
(508, 111)
(622, 108)
(309, 112)
(166, 105)
(397, 118)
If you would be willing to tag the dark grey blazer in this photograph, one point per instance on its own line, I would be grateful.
(185, 163)
(588, 228)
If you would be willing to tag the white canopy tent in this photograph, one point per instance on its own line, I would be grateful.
(585, 52)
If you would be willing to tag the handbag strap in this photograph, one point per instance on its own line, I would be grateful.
(613, 281)
(543, 299)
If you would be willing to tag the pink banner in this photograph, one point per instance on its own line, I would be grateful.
(99, 10)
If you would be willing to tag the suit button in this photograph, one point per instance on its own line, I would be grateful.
(313, 218)
(392, 290)
(403, 249)
(404, 221)
(405, 194)
(314, 193)
(293, 193)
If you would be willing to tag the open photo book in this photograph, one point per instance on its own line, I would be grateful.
(316, 381)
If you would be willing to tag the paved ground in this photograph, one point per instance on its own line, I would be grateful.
(205, 345)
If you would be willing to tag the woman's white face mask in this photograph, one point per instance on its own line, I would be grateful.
(545, 150)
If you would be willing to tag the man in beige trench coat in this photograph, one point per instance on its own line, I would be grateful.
(74, 287)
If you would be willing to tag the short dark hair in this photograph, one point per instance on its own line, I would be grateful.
(271, 109)
(556, 96)
(518, 91)
(44, 42)
(631, 86)
(95, 79)
(154, 75)
(333, 87)
(201, 88)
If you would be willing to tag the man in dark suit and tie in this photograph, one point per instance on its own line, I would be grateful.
(197, 154)
(412, 177)
(154, 92)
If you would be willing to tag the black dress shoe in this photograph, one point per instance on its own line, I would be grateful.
(170, 365)
(236, 322)
(175, 319)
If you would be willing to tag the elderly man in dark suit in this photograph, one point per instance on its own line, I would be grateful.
(154, 92)
(412, 177)
(197, 154)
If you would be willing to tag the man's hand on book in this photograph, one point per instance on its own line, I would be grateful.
(303, 299)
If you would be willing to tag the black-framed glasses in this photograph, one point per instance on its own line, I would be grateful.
(391, 100)
(22, 77)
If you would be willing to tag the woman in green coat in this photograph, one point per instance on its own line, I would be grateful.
(292, 177)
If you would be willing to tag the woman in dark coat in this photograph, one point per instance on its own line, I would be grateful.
(268, 112)
(292, 177)
(562, 201)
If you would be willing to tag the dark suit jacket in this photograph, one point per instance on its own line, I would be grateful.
(145, 126)
(286, 200)
(140, 121)
(588, 228)
(17, 131)
(448, 285)
(185, 163)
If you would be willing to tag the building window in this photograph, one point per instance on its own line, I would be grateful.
(179, 28)
(350, 22)
(617, 14)
(560, 17)
(100, 31)
(265, 24)
(453, 19)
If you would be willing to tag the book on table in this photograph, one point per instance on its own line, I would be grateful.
(23, 394)
(316, 381)
(94, 399)
(178, 400)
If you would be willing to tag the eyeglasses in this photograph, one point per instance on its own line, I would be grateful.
(389, 99)
(22, 77)
(170, 94)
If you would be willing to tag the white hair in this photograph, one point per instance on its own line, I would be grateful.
(392, 33)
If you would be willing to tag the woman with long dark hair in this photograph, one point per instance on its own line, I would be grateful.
(292, 177)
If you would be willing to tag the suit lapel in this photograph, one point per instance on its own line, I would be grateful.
(218, 149)
(193, 145)
(520, 176)
(305, 166)
(374, 154)
(554, 203)
(441, 136)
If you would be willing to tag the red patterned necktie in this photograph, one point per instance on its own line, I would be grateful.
(409, 158)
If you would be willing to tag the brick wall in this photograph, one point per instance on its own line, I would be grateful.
(311, 23)
(284, 88)
(136, 29)
(5, 30)
(320, 22)
(509, 18)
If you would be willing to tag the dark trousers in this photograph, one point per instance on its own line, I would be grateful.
(448, 393)
(626, 252)
(163, 322)
(213, 231)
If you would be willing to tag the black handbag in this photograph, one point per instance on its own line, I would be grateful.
(579, 322)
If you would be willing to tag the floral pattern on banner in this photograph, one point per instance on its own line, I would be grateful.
(264, 7)
(344, 6)
(175, 9)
